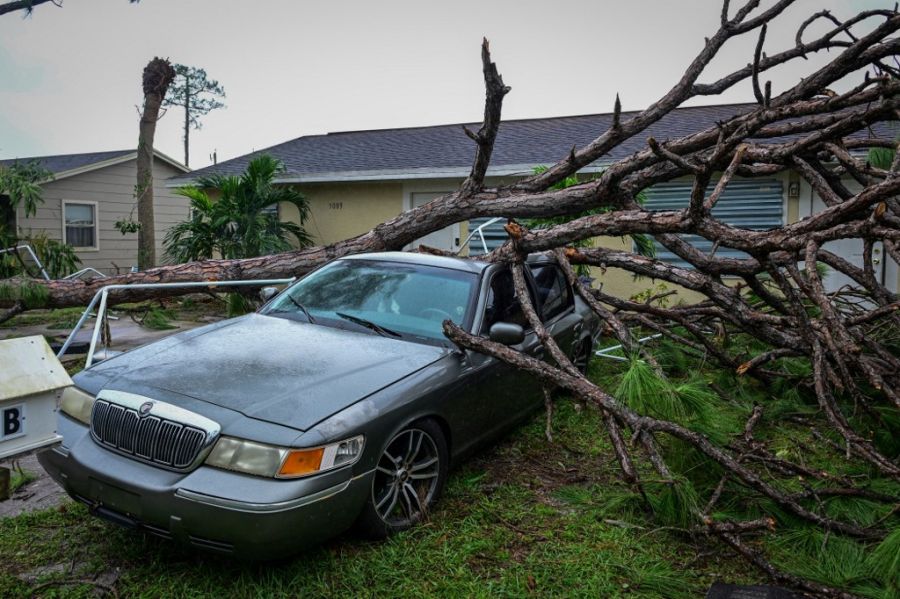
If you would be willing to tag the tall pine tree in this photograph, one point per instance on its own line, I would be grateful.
(197, 94)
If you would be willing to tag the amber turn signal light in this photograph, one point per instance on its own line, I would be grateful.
(304, 461)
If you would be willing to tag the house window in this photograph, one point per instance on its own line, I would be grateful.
(80, 224)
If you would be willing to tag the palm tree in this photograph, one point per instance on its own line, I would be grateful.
(240, 223)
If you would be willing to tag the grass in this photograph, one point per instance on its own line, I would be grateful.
(528, 518)
(61, 318)
(189, 308)
(19, 479)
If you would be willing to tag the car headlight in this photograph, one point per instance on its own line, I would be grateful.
(282, 462)
(77, 404)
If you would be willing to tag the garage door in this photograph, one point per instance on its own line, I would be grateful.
(755, 204)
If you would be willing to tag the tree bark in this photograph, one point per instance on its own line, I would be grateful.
(26, 5)
(187, 124)
(158, 74)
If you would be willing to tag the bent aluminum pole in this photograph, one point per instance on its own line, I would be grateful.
(604, 353)
(98, 324)
(480, 233)
(78, 325)
(34, 257)
(103, 295)
(85, 270)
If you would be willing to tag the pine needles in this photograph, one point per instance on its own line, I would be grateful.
(718, 404)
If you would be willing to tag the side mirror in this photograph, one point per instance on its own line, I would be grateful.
(507, 333)
(267, 293)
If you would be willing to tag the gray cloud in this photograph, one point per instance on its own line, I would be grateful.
(70, 77)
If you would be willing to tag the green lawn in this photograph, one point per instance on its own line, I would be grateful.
(528, 518)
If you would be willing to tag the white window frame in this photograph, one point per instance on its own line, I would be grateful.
(440, 187)
(96, 206)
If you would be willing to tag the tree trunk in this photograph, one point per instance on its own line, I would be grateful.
(187, 121)
(158, 74)
(26, 5)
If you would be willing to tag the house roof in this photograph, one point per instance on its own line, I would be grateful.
(67, 165)
(446, 151)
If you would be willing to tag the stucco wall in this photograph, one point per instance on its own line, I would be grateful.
(342, 210)
(112, 188)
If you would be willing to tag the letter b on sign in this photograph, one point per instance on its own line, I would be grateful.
(11, 421)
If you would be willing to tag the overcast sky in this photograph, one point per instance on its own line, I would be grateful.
(70, 77)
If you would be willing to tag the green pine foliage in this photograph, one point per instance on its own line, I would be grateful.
(33, 294)
(643, 244)
(717, 403)
(674, 503)
(884, 562)
(158, 319)
(238, 305)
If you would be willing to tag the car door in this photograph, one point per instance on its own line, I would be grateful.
(497, 396)
(556, 305)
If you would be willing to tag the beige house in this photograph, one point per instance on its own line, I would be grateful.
(356, 180)
(89, 193)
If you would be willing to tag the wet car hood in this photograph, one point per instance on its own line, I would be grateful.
(272, 369)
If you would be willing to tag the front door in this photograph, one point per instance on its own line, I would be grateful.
(444, 239)
(850, 250)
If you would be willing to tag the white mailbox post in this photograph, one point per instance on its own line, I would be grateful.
(31, 385)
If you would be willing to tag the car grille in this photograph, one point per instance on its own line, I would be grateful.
(150, 438)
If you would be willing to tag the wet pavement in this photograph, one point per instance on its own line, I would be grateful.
(125, 333)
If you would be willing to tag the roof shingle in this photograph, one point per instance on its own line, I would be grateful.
(430, 151)
(65, 162)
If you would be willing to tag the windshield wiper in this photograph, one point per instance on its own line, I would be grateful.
(384, 332)
(302, 309)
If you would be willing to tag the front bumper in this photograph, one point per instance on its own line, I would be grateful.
(248, 516)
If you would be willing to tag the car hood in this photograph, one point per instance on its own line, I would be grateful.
(272, 369)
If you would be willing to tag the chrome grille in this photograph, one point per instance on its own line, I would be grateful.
(150, 438)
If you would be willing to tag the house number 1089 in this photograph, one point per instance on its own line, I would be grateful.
(336, 205)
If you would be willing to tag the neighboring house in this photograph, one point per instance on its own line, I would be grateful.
(355, 180)
(89, 193)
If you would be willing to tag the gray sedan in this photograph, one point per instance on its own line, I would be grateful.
(340, 402)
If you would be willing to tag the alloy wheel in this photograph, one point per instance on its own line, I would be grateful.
(406, 478)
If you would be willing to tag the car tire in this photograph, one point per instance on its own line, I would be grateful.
(409, 479)
(581, 358)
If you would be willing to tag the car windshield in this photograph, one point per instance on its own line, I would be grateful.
(388, 298)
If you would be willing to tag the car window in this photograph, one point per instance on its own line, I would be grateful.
(502, 305)
(552, 290)
(410, 299)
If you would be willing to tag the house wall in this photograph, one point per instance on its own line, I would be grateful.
(342, 210)
(339, 211)
(112, 188)
(622, 283)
